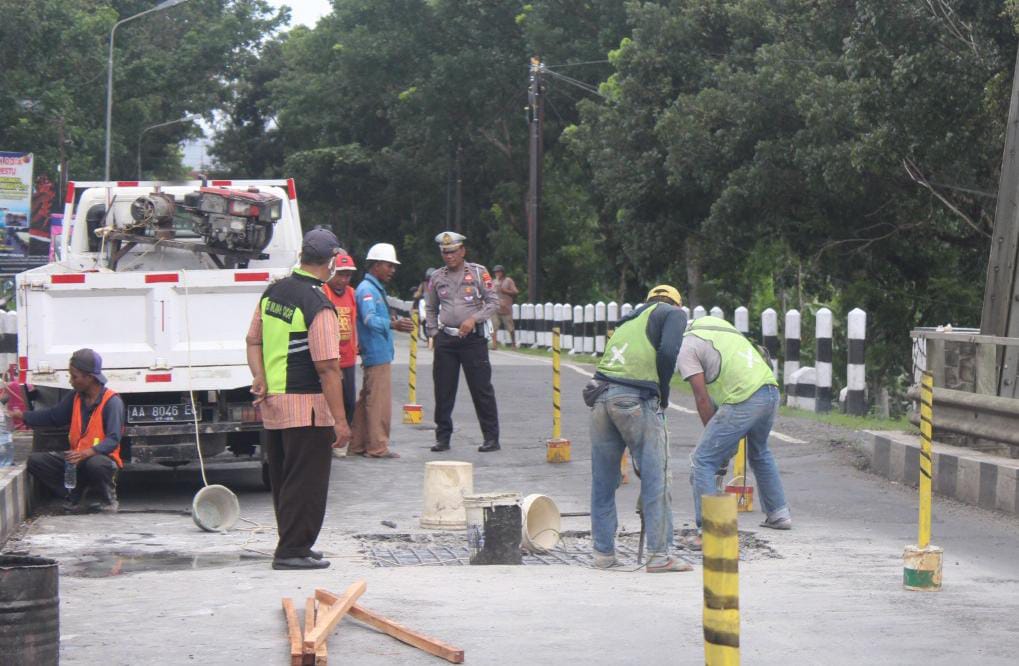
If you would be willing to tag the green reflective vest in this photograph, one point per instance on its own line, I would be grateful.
(629, 354)
(288, 307)
(743, 371)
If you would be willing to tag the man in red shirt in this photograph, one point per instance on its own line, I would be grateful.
(341, 294)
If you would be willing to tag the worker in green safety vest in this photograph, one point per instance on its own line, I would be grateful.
(628, 397)
(737, 396)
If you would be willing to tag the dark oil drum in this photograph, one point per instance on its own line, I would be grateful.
(29, 611)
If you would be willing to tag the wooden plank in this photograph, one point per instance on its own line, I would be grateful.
(326, 621)
(322, 653)
(293, 632)
(398, 631)
(309, 624)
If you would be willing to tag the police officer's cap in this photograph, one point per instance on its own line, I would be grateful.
(450, 240)
(668, 292)
(319, 245)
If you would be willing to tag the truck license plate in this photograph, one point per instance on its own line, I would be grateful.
(161, 413)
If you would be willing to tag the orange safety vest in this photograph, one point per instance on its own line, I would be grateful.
(95, 431)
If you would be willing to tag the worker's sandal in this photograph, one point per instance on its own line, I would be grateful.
(667, 564)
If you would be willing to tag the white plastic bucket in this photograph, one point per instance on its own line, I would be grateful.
(475, 507)
(215, 508)
(446, 483)
(541, 524)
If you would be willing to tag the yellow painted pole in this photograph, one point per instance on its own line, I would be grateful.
(923, 562)
(557, 449)
(721, 580)
(412, 410)
(556, 409)
(926, 465)
(739, 465)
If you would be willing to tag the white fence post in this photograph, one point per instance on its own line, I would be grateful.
(577, 345)
(822, 361)
(856, 372)
(741, 320)
(769, 332)
(718, 312)
(792, 347)
(589, 328)
(600, 328)
(699, 312)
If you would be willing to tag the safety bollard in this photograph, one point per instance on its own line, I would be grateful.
(721, 580)
(743, 491)
(922, 562)
(557, 449)
(412, 410)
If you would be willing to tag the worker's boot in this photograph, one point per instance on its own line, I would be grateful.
(108, 496)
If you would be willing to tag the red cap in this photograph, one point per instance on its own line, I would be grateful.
(345, 262)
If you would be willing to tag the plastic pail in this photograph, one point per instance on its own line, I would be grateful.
(539, 531)
(493, 527)
(29, 611)
(215, 508)
(446, 483)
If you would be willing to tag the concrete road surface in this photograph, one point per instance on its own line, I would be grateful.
(147, 586)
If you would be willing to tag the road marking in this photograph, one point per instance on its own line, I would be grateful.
(678, 408)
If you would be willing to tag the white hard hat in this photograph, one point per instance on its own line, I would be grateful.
(382, 252)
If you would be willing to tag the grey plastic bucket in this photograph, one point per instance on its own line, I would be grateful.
(215, 508)
(29, 611)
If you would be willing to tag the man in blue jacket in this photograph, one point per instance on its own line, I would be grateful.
(373, 411)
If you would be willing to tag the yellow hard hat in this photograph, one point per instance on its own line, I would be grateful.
(667, 291)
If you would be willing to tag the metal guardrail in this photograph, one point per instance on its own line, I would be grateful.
(972, 414)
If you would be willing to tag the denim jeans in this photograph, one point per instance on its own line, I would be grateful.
(620, 420)
(752, 418)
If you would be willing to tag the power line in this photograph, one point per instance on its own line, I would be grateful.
(578, 64)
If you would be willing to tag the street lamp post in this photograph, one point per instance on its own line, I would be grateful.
(142, 134)
(166, 4)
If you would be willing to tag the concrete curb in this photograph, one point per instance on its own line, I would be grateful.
(980, 479)
(14, 500)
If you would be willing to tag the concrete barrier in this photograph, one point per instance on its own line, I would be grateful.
(14, 499)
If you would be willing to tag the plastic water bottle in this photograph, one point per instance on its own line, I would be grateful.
(6, 440)
(70, 475)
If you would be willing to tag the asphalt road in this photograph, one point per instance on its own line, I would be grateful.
(147, 586)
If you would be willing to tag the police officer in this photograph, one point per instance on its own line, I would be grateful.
(458, 303)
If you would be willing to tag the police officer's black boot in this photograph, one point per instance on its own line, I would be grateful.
(489, 445)
(441, 445)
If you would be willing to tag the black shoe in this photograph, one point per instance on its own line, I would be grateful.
(293, 563)
(315, 554)
(441, 446)
(489, 445)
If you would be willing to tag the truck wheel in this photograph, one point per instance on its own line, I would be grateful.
(265, 476)
(48, 440)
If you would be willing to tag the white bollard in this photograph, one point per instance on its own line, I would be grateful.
(613, 319)
(625, 310)
(539, 325)
(601, 326)
(792, 347)
(527, 319)
(769, 332)
(856, 371)
(718, 312)
(741, 320)
(589, 328)
(822, 363)
(549, 323)
(699, 312)
(578, 330)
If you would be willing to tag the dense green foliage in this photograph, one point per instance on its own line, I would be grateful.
(768, 153)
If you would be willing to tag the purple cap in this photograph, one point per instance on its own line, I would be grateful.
(87, 360)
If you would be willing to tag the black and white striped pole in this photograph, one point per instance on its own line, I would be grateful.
(601, 326)
(625, 310)
(792, 348)
(578, 330)
(822, 362)
(686, 311)
(515, 338)
(527, 319)
(699, 312)
(567, 340)
(741, 320)
(612, 313)
(539, 325)
(856, 372)
(546, 341)
(718, 312)
(589, 328)
(769, 332)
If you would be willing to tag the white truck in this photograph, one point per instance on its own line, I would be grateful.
(161, 279)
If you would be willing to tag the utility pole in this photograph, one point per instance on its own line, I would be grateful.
(1000, 316)
(459, 189)
(535, 120)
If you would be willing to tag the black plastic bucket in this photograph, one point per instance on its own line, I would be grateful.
(29, 611)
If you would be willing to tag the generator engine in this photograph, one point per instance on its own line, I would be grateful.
(226, 219)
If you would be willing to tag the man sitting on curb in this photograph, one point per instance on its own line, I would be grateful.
(95, 417)
(725, 369)
(628, 397)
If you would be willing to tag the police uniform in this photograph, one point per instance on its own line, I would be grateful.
(450, 299)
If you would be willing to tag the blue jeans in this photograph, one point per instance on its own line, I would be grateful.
(752, 418)
(620, 420)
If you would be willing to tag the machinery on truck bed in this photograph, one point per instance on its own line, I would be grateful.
(161, 279)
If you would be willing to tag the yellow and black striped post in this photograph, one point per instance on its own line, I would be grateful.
(557, 449)
(721, 580)
(743, 491)
(412, 410)
(922, 570)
